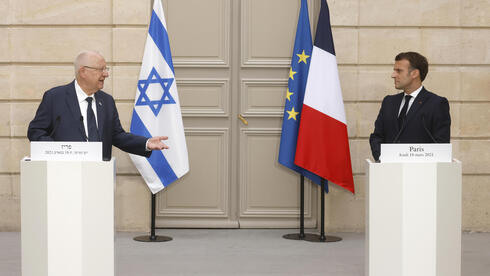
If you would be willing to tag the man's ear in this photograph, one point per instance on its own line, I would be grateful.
(415, 73)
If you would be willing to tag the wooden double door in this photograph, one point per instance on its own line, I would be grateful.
(232, 60)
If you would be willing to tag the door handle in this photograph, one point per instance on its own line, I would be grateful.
(244, 121)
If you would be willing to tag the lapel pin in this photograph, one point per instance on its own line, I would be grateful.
(100, 103)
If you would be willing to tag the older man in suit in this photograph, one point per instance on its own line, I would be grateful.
(415, 115)
(81, 111)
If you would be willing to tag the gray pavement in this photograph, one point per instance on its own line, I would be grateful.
(244, 252)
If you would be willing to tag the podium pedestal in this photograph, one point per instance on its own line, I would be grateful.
(413, 220)
(67, 218)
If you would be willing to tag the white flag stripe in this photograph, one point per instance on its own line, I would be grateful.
(151, 178)
(172, 113)
(323, 76)
(153, 53)
(158, 9)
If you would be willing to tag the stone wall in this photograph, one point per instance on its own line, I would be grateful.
(454, 35)
(40, 39)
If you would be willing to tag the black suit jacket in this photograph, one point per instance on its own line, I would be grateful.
(427, 121)
(58, 118)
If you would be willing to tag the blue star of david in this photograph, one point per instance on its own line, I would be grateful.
(155, 105)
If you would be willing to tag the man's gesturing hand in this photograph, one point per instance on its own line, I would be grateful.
(155, 143)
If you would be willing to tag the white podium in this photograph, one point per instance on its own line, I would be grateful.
(413, 219)
(67, 218)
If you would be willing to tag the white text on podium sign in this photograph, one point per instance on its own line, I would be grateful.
(66, 151)
(414, 153)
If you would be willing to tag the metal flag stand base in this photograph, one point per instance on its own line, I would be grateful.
(311, 237)
(152, 237)
(298, 236)
(318, 238)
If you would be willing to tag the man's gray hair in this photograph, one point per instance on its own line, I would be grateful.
(82, 59)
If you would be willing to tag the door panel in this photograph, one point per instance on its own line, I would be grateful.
(268, 191)
(201, 197)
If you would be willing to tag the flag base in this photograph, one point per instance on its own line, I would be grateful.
(320, 238)
(152, 238)
(297, 236)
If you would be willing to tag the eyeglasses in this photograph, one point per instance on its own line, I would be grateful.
(105, 69)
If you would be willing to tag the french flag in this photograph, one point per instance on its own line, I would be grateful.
(323, 144)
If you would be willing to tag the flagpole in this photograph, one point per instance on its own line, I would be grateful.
(152, 237)
(322, 237)
(322, 219)
(301, 235)
(302, 209)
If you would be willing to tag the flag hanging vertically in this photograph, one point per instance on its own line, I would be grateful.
(298, 73)
(323, 145)
(157, 109)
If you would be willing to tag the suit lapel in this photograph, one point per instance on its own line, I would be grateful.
(100, 113)
(74, 107)
(396, 109)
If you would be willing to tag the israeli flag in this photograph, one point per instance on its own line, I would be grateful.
(157, 109)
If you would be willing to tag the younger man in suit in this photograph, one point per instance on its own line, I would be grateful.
(415, 115)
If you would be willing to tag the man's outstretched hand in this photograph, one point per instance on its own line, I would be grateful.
(155, 143)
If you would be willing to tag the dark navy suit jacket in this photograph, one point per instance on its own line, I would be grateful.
(58, 118)
(427, 121)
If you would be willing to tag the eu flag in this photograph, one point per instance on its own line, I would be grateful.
(298, 74)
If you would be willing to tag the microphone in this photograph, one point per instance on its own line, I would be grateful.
(83, 128)
(427, 130)
(56, 124)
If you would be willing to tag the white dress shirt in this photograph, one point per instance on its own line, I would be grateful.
(414, 95)
(83, 108)
(82, 96)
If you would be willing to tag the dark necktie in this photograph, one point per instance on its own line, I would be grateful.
(403, 113)
(93, 133)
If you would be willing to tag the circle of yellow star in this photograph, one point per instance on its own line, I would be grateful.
(291, 73)
(292, 114)
(288, 95)
(302, 57)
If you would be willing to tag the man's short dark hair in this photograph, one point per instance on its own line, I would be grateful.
(417, 61)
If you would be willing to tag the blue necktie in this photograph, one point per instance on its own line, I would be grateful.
(93, 133)
(403, 113)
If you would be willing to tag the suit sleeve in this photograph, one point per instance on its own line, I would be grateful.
(441, 124)
(127, 142)
(42, 125)
(378, 136)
